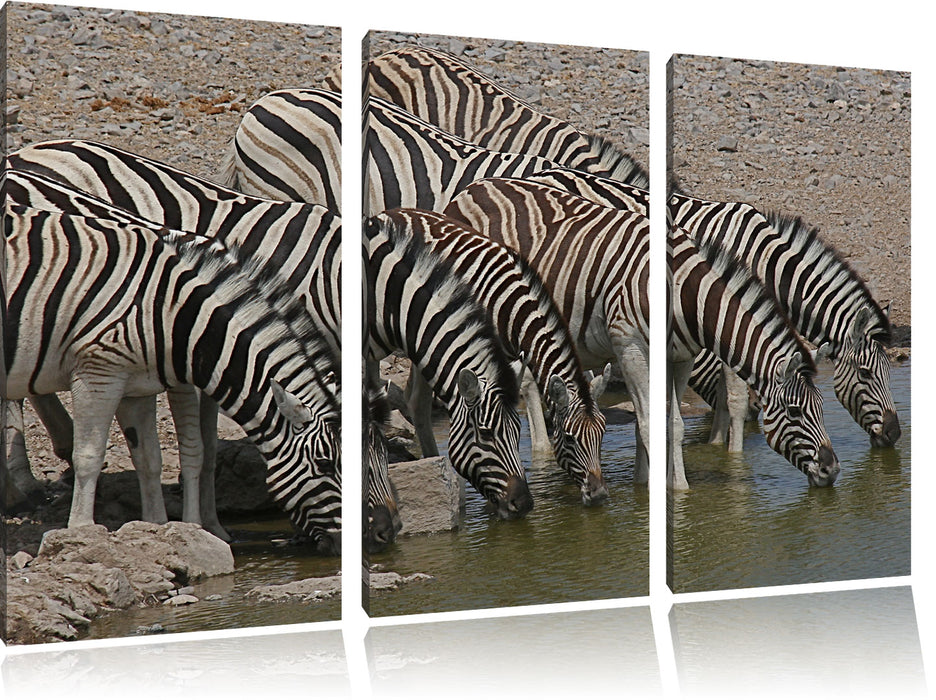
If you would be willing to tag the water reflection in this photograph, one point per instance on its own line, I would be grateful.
(306, 664)
(851, 643)
(751, 520)
(550, 655)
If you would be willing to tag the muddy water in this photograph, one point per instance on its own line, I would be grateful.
(561, 551)
(261, 557)
(752, 520)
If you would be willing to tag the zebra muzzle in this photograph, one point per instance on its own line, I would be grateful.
(517, 501)
(888, 432)
(827, 469)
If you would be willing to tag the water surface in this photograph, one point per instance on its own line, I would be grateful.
(752, 519)
(561, 551)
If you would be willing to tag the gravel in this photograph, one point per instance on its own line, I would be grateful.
(169, 87)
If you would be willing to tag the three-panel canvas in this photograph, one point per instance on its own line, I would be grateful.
(173, 399)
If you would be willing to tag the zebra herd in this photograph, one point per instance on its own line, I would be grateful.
(505, 252)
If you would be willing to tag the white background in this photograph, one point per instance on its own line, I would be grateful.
(896, 35)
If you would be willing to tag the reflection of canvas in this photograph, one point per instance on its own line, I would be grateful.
(452, 125)
(157, 278)
(784, 179)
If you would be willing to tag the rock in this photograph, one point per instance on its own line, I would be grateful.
(180, 600)
(240, 479)
(388, 580)
(398, 427)
(430, 495)
(727, 143)
(307, 590)
(21, 560)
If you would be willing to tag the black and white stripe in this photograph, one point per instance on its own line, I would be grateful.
(826, 301)
(380, 513)
(288, 147)
(718, 305)
(530, 326)
(111, 310)
(420, 307)
(594, 261)
(411, 163)
(445, 91)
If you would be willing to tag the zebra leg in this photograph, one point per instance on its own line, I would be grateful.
(675, 468)
(183, 403)
(539, 436)
(57, 421)
(419, 400)
(720, 416)
(736, 399)
(208, 428)
(634, 367)
(94, 404)
(137, 419)
(17, 460)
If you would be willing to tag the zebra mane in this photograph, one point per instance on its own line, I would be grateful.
(805, 239)
(259, 290)
(445, 284)
(756, 299)
(621, 166)
(227, 173)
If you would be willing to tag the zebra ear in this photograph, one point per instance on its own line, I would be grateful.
(469, 386)
(558, 393)
(823, 352)
(290, 406)
(519, 364)
(600, 383)
(859, 328)
(789, 367)
(887, 309)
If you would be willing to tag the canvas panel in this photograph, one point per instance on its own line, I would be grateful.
(172, 88)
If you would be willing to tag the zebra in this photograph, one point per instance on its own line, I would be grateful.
(717, 304)
(445, 91)
(529, 324)
(409, 163)
(110, 310)
(420, 307)
(594, 261)
(288, 147)
(301, 241)
(379, 504)
(827, 302)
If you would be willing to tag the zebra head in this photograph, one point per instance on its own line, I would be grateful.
(484, 444)
(380, 512)
(862, 382)
(793, 421)
(578, 428)
(304, 474)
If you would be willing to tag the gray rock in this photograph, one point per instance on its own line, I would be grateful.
(180, 600)
(727, 143)
(389, 580)
(21, 560)
(430, 495)
(306, 591)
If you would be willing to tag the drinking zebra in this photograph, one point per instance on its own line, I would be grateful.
(302, 242)
(595, 263)
(118, 310)
(381, 516)
(445, 91)
(420, 307)
(288, 147)
(530, 326)
(718, 305)
(826, 301)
